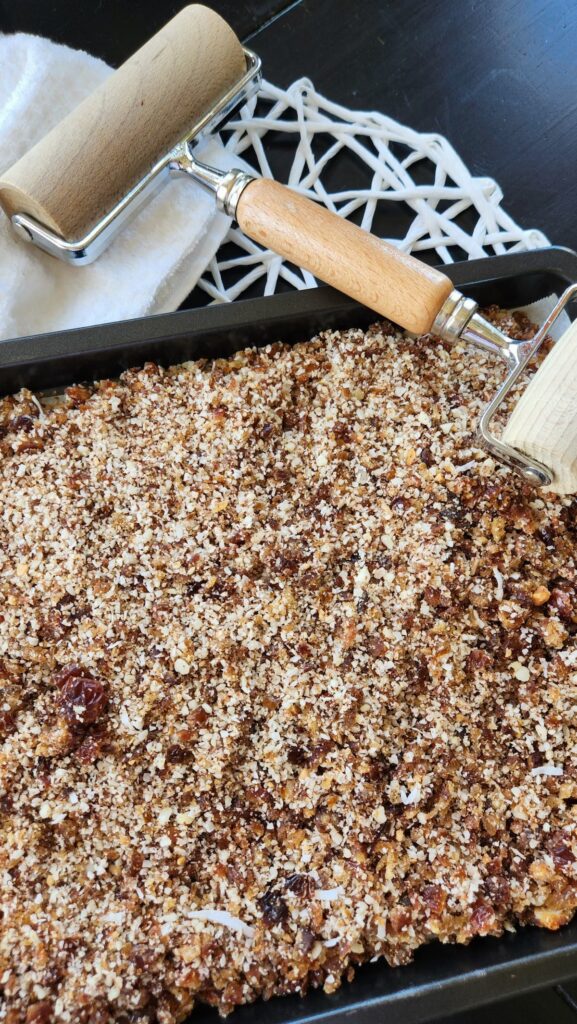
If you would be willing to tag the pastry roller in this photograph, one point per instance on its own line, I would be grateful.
(73, 191)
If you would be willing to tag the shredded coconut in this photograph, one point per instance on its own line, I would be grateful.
(499, 592)
(327, 895)
(224, 918)
(466, 466)
(412, 797)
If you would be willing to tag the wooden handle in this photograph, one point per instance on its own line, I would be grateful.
(90, 160)
(544, 421)
(360, 264)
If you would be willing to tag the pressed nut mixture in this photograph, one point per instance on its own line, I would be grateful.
(289, 679)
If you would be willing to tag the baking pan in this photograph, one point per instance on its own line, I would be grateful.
(50, 360)
(442, 979)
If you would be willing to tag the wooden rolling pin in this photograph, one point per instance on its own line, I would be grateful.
(77, 174)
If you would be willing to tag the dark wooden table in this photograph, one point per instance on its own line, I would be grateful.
(497, 77)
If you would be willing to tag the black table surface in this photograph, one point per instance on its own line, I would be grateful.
(497, 77)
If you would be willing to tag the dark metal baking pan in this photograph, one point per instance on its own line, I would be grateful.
(443, 979)
(50, 360)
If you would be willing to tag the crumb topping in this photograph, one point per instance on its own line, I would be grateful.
(288, 679)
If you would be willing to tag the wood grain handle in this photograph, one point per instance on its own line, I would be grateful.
(360, 264)
(544, 421)
(77, 172)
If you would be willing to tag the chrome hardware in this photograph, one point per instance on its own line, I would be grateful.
(85, 250)
(458, 320)
(227, 185)
(453, 316)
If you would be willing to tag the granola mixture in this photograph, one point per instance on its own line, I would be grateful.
(289, 679)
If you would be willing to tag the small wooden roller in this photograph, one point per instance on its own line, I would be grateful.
(544, 422)
(78, 172)
(69, 190)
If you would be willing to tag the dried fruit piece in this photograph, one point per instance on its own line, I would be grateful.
(303, 886)
(89, 750)
(77, 395)
(273, 908)
(434, 897)
(563, 602)
(21, 424)
(39, 1013)
(83, 697)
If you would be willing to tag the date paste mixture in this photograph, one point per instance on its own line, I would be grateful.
(288, 677)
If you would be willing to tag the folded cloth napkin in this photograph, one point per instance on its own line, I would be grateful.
(159, 255)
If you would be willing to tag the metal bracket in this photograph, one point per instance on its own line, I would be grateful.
(458, 320)
(520, 354)
(85, 250)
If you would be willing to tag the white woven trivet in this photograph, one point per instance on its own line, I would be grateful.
(298, 115)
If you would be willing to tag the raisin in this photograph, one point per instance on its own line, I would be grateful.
(498, 890)
(296, 755)
(290, 420)
(434, 597)
(7, 723)
(560, 852)
(89, 750)
(399, 919)
(39, 1013)
(77, 395)
(302, 885)
(563, 603)
(136, 862)
(418, 673)
(6, 804)
(176, 754)
(546, 536)
(434, 897)
(319, 751)
(478, 661)
(426, 456)
(31, 444)
(307, 940)
(377, 647)
(266, 430)
(342, 432)
(273, 908)
(482, 917)
(82, 698)
(21, 424)
(199, 717)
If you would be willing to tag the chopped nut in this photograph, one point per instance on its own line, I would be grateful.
(549, 917)
(498, 527)
(541, 871)
(540, 596)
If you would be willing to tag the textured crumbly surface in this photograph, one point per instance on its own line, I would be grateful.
(289, 679)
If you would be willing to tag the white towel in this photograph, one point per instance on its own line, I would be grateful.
(158, 257)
